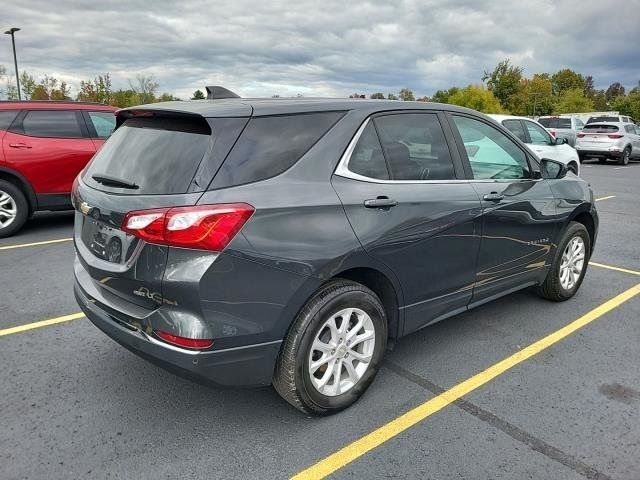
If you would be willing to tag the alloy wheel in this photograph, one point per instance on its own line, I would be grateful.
(572, 263)
(341, 351)
(8, 209)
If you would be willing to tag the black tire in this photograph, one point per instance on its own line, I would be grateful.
(602, 160)
(292, 378)
(624, 158)
(551, 288)
(22, 208)
(581, 158)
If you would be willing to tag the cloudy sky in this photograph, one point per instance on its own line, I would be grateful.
(328, 48)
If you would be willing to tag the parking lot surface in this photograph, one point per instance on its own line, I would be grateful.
(74, 404)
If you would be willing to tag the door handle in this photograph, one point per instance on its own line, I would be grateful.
(493, 197)
(19, 145)
(380, 202)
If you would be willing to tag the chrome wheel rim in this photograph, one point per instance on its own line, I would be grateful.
(572, 263)
(341, 352)
(8, 209)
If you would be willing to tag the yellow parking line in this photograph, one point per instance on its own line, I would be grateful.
(605, 198)
(42, 323)
(617, 269)
(358, 448)
(35, 244)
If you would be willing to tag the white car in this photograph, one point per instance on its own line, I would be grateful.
(540, 141)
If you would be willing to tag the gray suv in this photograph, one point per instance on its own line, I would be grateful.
(291, 242)
(563, 127)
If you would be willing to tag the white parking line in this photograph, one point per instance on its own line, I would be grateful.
(605, 198)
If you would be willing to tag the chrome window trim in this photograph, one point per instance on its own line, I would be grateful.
(342, 170)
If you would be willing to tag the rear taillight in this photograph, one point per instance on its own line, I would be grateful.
(580, 135)
(553, 133)
(205, 227)
(184, 342)
(615, 135)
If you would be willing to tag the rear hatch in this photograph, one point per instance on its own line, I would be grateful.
(153, 160)
(598, 135)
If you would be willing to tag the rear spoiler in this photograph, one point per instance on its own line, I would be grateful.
(216, 92)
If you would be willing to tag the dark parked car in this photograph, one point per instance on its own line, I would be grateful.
(44, 145)
(249, 242)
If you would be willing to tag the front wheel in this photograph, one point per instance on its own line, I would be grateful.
(569, 264)
(333, 349)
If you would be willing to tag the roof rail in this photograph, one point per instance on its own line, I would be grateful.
(216, 92)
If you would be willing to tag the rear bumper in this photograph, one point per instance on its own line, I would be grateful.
(604, 152)
(250, 365)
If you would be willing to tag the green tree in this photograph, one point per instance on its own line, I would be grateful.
(628, 104)
(391, 96)
(377, 96)
(504, 81)
(27, 84)
(406, 95)
(125, 98)
(198, 95)
(566, 79)
(600, 101)
(589, 90)
(574, 101)
(423, 99)
(145, 87)
(96, 90)
(476, 97)
(534, 97)
(167, 97)
(442, 96)
(633, 90)
(614, 91)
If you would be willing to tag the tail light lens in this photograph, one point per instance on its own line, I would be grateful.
(580, 135)
(615, 135)
(205, 227)
(184, 342)
(553, 133)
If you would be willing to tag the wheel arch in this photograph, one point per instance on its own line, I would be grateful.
(23, 184)
(585, 218)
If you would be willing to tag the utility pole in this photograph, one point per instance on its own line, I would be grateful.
(11, 32)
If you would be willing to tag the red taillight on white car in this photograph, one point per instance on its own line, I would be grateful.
(580, 135)
(615, 135)
(204, 227)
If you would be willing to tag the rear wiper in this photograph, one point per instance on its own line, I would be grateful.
(113, 181)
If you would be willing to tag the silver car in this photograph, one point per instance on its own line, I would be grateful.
(563, 127)
(611, 140)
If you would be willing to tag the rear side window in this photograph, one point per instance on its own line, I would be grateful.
(515, 127)
(538, 135)
(596, 128)
(161, 156)
(555, 122)
(6, 118)
(103, 123)
(270, 145)
(367, 158)
(52, 123)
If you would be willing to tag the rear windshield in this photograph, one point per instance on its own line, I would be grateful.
(595, 128)
(603, 119)
(158, 155)
(270, 145)
(555, 122)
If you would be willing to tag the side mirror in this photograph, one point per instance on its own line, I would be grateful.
(553, 168)
(561, 141)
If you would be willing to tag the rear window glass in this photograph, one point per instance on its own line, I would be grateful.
(160, 156)
(555, 122)
(603, 119)
(270, 145)
(6, 118)
(595, 128)
(52, 123)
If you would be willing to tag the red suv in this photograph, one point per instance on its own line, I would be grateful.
(44, 147)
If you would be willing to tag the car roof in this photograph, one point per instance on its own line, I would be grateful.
(53, 105)
(245, 107)
(500, 117)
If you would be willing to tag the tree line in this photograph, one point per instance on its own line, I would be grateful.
(505, 89)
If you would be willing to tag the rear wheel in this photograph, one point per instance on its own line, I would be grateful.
(569, 264)
(14, 209)
(624, 158)
(333, 349)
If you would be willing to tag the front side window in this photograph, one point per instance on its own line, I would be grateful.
(103, 123)
(538, 135)
(491, 153)
(52, 123)
(6, 118)
(414, 147)
(515, 127)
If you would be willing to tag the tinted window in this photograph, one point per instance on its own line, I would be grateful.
(414, 147)
(630, 129)
(103, 123)
(491, 153)
(366, 158)
(160, 156)
(6, 117)
(515, 127)
(547, 122)
(603, 119)
(538, 135)
(270, 145)
(52, 123)
(564, 123)
(596, 128)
